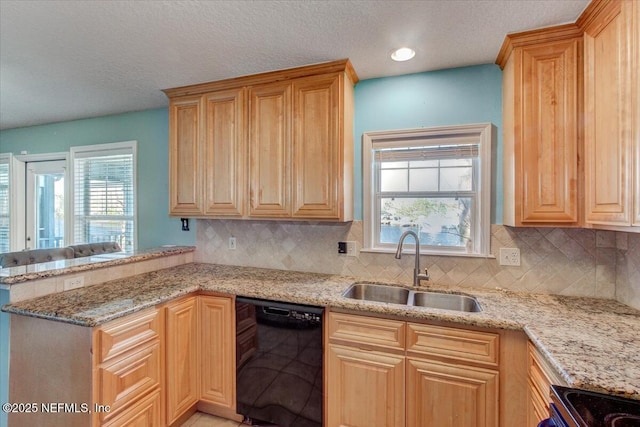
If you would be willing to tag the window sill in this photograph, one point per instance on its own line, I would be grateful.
(426, 252)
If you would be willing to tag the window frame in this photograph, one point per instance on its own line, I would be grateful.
(482, 133)
(97, 150)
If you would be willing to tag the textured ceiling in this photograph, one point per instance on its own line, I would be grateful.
(65, 60)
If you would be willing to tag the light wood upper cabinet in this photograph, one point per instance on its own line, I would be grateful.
(542, 94)
(270, 150)
(612, 134)
(322, 157)
(185, 196)
(273, 145)
(224, 153)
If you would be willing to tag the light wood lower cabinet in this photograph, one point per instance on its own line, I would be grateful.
(217, 352)
(541, 377)
(442, 394)
(146, 413)
(365, 388)
(128, 366)
(181, 356)
(390, 373)
(151, 368)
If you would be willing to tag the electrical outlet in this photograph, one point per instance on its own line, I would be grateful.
(232, 243)
(73, 283)
(510, 256)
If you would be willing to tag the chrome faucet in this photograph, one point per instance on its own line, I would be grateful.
(417, 276)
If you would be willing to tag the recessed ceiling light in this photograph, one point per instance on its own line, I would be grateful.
(403, 54)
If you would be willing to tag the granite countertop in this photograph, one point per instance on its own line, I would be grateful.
(23, 273)
(592, 343)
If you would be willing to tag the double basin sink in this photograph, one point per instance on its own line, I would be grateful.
(403, 296)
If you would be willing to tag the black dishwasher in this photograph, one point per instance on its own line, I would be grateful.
(279, 377)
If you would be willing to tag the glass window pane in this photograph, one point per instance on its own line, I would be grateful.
(455, 179)
(424, 163)
(393, 165)
(438, 221)
(423, 180)
(455, 162)
(49, 211)
(393, 180)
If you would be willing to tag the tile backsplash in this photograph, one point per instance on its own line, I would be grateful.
(580, 262)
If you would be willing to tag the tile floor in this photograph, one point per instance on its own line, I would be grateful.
(200, 419)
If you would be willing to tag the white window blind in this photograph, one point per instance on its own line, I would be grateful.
(104, 194)
(5, 208)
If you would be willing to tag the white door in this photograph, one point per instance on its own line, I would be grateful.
(46, 204)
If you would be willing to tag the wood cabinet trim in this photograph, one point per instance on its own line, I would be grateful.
(536, 37)
(597, 15)
(342, 65)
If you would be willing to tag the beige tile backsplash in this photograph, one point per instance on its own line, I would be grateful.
(578, 262)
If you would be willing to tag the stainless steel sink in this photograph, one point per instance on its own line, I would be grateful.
(446, 301)
(380, 293)
(403, 296)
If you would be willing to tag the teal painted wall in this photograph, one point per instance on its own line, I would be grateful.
(4, 355)
(150, 129)
(437, 98)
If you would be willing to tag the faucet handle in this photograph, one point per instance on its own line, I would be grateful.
(424, 276)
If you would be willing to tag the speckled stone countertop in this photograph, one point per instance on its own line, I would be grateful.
(594, 344)
(23, 273)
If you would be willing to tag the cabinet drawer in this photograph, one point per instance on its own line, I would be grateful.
(353, 329)
(145, 413)
(540, 367)
(453, 343)
(119, 336)
(539, 381)
(124, 381)
(539, 404)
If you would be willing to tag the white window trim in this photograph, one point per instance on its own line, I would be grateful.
(483, 132)
(115, 147)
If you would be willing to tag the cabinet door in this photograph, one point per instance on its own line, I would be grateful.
(440, 394)
(184, 156)
(608, 116)
(317, 148)
(366, 388)
(548, 146)
(181, 357)
(224, 153)
(217, 351)
(270, 150)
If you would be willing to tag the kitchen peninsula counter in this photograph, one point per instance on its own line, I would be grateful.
(592, 343)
